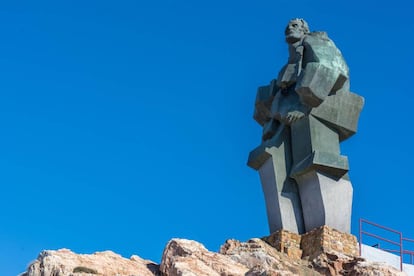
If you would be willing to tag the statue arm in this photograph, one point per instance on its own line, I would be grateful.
(264, 98)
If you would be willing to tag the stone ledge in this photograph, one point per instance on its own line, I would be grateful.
(321, 240)
(286, 242)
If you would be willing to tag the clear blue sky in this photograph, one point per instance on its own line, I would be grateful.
(125, 124)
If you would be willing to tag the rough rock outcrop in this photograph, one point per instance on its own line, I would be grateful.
(185, 257)
(64, 262)
(335, 263)
(325, 251)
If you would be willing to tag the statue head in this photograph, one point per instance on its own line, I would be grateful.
(296, 29)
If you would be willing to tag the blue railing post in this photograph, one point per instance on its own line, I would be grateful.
(401, 251)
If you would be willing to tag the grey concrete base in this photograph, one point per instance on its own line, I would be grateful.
(377, 255)
(282, 199)
(373, 254)
(325, 201)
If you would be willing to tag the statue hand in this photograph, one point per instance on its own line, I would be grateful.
(293, 116)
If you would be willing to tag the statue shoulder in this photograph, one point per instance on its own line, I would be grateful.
(316, 38)
(320, 48)
(322, 35)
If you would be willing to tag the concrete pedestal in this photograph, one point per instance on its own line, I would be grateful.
(273, 161)
(325, 201)
(282, 199)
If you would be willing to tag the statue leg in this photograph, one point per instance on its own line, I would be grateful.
(321, 173)
(283, 206)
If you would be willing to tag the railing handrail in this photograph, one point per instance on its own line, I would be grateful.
(380, 238)
(401, 250)
(407, 239)
(380, 226)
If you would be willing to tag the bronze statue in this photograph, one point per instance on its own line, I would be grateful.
(305, 113)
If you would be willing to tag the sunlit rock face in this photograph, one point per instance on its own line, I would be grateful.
(322, 251)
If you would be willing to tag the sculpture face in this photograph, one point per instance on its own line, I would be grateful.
(294, 31)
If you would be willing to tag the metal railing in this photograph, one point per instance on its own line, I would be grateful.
(399, 244)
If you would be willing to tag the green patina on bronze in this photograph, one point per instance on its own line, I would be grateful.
(314, 84)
